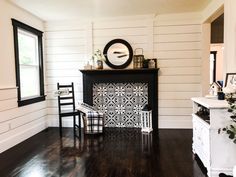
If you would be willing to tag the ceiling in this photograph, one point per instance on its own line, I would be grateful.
(49, 10)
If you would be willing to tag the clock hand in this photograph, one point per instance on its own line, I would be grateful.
(122, 56)
(117, 52)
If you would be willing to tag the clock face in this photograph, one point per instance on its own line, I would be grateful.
(118, 53)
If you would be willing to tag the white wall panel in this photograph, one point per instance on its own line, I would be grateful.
(67, 46)
(14, 119)
(177, 46)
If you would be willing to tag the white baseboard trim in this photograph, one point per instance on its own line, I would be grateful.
(21, 136)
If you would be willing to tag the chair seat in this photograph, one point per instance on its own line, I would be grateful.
(69, 112)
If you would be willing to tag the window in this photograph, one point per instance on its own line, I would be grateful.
(29, 63)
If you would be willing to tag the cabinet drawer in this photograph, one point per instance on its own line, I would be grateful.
(201, 139)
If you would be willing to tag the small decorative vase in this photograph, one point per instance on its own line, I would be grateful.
(145, 63)
(99, 64)
(234, 171)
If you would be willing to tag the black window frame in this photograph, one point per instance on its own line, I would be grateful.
(19, 25)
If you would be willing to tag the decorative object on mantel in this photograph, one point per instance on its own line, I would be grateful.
(215, 87)
(118, 54)
(88, 66)
(146, 63)
(146, 119)
(99, 57)
(152, 63)
(138, 59)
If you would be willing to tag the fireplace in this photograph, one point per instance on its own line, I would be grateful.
(121, 94)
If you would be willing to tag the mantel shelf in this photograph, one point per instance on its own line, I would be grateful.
(143, 70)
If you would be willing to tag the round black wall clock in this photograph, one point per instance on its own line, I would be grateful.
(118, 54)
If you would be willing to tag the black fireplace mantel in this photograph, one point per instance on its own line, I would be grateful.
(149, 76)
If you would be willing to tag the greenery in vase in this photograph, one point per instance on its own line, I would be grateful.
(98, 55)
(231, 129)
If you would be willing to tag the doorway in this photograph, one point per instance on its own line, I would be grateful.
(217, 49)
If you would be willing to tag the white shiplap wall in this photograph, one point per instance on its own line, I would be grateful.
(67, 49)
(175, 42)
(177, 45)
(19, 123)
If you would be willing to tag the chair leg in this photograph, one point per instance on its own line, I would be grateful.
(60, 126)
(74, 125)
(79, 117)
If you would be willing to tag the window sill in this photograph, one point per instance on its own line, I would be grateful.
(31, 100)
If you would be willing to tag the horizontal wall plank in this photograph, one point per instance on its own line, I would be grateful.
(64, 73)
(179, 79)
(180, 87)
(65, 57)
(65, 42)
(175, 103)
(28, 118)
(119, 32)
(66, 50)
(178, 29)
(170, 63)
(6, 94)
(4, 127)
(63, 80)
(66, 65)
(8, 104)
(175, 111)
(132, 39)
(178, 54)
(178, 95)
(176, 122)
(20, 111)
(65, 26)
(117, 24)
(65, 34)
(180, 71)
(177, 46)
(162, 38)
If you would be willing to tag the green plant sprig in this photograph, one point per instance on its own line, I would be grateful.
(231, 129)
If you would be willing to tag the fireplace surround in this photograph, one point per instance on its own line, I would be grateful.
(128, 90)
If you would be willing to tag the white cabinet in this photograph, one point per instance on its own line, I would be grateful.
(216, 151)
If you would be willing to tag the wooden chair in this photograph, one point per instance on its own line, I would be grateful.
(66, 106)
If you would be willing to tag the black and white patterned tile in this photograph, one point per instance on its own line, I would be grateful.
(120, 102)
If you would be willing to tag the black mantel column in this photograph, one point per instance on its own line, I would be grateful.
(149, 76)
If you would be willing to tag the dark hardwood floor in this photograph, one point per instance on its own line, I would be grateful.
(116, 153)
